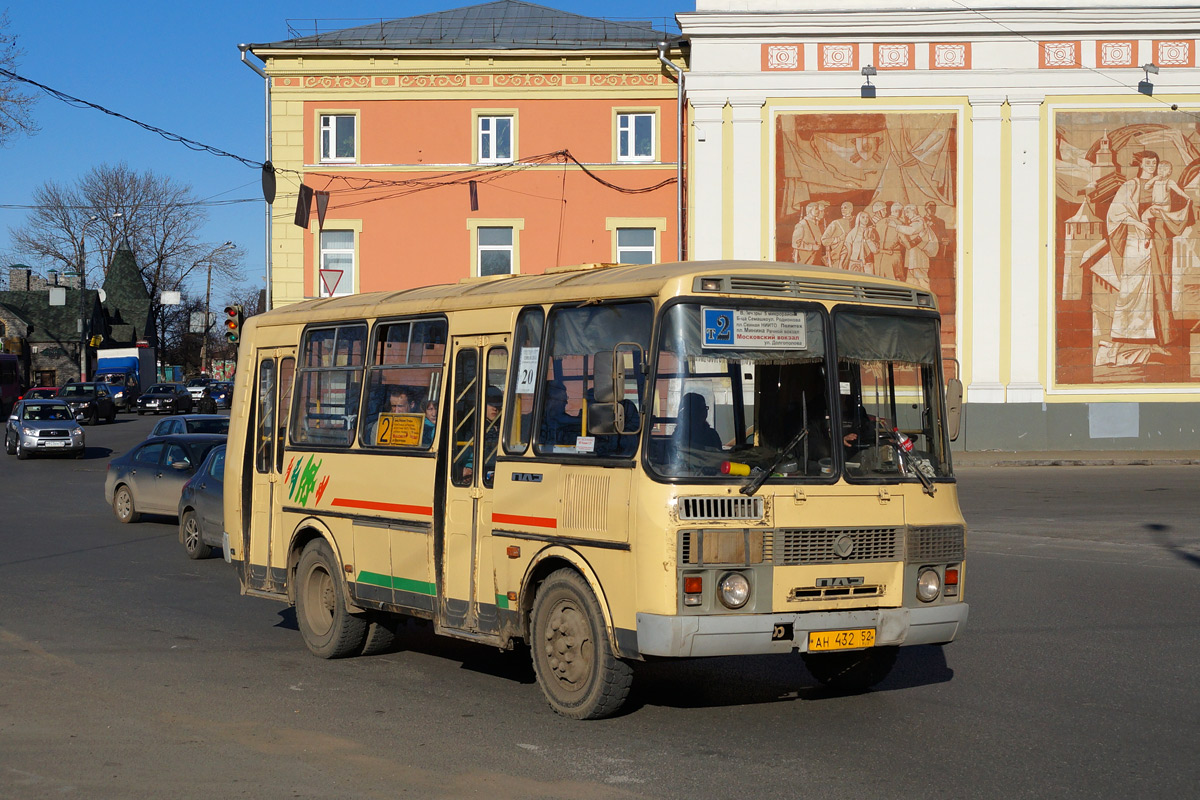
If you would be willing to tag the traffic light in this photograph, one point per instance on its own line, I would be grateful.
(233, 323)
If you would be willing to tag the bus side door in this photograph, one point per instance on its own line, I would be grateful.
(274, 379)
(466, 589)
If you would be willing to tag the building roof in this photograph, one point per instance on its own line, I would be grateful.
(127, 303)
(505, 24)
(52, 323)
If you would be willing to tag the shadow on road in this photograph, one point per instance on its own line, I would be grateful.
(1159, 533)
(91, 453)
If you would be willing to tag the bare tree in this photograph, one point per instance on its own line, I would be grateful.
(15, 103)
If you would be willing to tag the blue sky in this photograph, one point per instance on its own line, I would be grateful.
(176, 66)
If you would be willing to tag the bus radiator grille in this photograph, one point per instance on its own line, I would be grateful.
(720, 508)
(937, 543)
(837, 545)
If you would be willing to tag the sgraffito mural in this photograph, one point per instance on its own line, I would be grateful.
(871, 193)
(1127, 249)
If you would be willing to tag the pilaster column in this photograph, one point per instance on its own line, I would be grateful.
(747, 177)
(984, 253)
(1025, 289)
(707, 191)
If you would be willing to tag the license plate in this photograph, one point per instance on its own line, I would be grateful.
(821, 641)
(54, 444)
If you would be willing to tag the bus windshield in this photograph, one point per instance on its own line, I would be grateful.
(889, 389)
(735, 387)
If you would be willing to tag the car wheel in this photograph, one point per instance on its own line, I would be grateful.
(193, 542)
(123, 505)
(328, 628)
(572, 656)
(10, 446)
(22, 453)
(852, 670)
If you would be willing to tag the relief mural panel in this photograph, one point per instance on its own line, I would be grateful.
(871, 193)
(1127, 247)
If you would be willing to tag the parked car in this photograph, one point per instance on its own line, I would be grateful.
(149, 478)
(196, 386)
(201, 511)
(192, 423)
(167, 398)
(41, 393)
(91, 401)
(42, 426)
(222, 392)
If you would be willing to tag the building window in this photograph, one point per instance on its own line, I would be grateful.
(495, 140)
(635, 137)
(336, 273)
(635, 245)
(337, 137)
(494, 253)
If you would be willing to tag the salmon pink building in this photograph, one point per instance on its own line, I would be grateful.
(494, 139)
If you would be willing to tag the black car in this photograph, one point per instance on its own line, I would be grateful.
(165, 398)
(90, 402)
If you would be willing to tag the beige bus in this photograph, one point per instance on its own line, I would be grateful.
(609, 463)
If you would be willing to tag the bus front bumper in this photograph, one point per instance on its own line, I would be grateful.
(749, 634)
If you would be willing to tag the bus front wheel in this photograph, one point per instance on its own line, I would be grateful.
(572, 656)
(328, 628)
(852, 670)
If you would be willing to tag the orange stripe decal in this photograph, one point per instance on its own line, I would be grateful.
(371, 505)
(532, 522)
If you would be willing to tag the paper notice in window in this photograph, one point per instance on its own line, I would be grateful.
(527, 370)
(754, 329)
(399, 430)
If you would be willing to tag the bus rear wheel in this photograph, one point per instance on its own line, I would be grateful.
(572, 656)
(852, 670)
(328, 628)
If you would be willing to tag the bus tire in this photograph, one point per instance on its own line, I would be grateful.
(381, 635)
(572, 656)
(852, 670)
(328, 628)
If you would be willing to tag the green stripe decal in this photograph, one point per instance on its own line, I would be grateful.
(501, 601)
(392, 582)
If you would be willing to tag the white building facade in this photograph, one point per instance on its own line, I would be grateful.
(1018, 162)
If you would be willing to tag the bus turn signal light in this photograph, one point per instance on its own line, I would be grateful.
(693, 588)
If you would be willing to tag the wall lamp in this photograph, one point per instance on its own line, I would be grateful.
(867, 91)
(1146, 87)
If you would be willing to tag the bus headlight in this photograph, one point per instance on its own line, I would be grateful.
(734, 590)
(929, 585)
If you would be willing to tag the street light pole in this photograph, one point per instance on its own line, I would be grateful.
(207, 305)
(83, 337)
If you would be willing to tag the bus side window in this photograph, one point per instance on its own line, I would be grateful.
(497, 367)
(527, 348)
(329, 385)
(265, 437)
(462, 431)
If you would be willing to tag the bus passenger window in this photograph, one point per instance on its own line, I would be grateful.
(329, 384)
(462, 431)
(575, 338)
(518, 417)
(497, 367)
(404, 377)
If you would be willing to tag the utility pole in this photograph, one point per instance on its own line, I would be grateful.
(83, 333)
(207, 304)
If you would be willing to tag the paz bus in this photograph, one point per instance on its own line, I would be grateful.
(608, 463)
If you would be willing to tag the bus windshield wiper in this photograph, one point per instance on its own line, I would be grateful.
(757, 480)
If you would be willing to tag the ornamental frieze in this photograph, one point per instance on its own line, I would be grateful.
(463, 81)
(527, 80)
(336, 82)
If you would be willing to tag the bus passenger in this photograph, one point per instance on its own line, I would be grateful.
(558, 427)
(430, 408)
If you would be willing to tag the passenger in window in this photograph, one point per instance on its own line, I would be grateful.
(398, 401)
(430, 409)
(692, 430)
(558, 427)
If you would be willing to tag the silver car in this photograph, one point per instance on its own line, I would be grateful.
(149, 478)
(201, 515)
(36, 427)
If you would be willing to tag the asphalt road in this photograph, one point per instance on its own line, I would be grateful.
(128, 670)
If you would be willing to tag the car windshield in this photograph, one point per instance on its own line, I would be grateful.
(159, 388)
(46, 412)
(77, 390)
(736, 386)
(214, 425)
(198, 382)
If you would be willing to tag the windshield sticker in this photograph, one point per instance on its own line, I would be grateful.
(754, 328)
(527, 370)
(399, 430)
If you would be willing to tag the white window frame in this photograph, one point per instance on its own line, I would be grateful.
(626, 123)
(326, 123)
(515, 225)
(348, 284)
(615, 224)
(490, 120)
(652, 249)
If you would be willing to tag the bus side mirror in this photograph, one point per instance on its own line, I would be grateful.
(954, 396)
(608, 376)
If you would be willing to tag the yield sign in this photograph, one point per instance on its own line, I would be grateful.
(330, 278)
